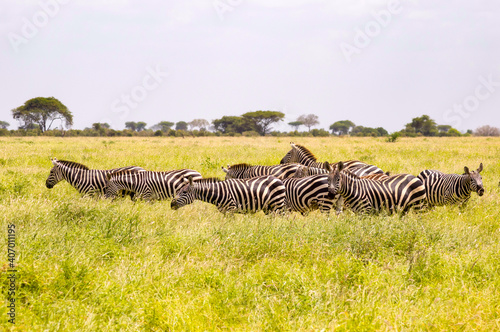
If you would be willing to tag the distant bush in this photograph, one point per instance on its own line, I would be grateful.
(250, 133)
(392, 138)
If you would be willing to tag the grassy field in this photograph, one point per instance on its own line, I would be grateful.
(97, 265)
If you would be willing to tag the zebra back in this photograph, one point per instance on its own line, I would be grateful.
(246, 171)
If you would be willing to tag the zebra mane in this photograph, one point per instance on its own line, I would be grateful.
(307, 152)
(240, 166)
(72, 164)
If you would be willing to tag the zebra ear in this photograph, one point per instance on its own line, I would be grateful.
(340, 166)
(328, 167)
(54, 161)
(225, 170)
(466, 170)
(190, 180)
(480, 168)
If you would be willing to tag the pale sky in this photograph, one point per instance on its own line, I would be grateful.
(376, 63)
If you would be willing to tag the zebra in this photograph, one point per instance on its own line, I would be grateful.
(148, 185)
(246, 171)
(448, 189)
(306, 171)
(266, 193)
(88, 182)
(304, 194)
(396, 193)
(302, 155)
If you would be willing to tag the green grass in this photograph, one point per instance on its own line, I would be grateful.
(97, 265)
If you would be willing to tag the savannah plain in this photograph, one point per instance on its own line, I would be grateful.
(98, 265)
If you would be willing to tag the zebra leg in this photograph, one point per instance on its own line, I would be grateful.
(340, 204)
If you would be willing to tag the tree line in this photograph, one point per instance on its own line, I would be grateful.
(38, 116)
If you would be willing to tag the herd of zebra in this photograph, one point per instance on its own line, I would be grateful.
(299, 183)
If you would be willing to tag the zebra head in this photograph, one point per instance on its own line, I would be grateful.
(476, 182)
(55, 175)
(286, 159)
(334, 177)
(185, 195)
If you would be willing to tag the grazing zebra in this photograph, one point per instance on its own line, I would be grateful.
(302, 155)
(397, 193)
(148, 185)
(246, 171)
(444, 189)
(88, 182)
(309, 193)
(266, 193)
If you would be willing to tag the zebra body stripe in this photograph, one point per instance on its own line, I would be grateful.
(449, 189)
(397, 193)
(265, 193)
(149, 185)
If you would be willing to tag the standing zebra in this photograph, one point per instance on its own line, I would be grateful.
(246, 171)
(266, 193)
(309, 193)
(397, 193)
(304, 171)
(327, 202)
(302, 155)
(444, 189)
(148, 185)
(88, 182)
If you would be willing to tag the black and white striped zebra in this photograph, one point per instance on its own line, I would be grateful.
(309, 193)
(397, 193)
(246, 171)
(309, 172)
(266, 193)
(304, 171)
(148, 185)
(447, 189)
(302, 155)
(88, 182)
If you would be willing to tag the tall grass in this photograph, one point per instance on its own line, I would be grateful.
(96, 265)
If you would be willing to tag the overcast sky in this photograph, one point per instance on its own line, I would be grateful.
(377, 63)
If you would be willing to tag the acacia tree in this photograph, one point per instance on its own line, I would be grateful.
(295, 125)
(423, 125)
(342, 127)
(131, 125)
(487, 131)
(232, 124)
(262, 120)
(309, 120)
(199, 123)
(141, 125)
(181, 125)
(43, 112)
(4, 124)
(163, 126)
